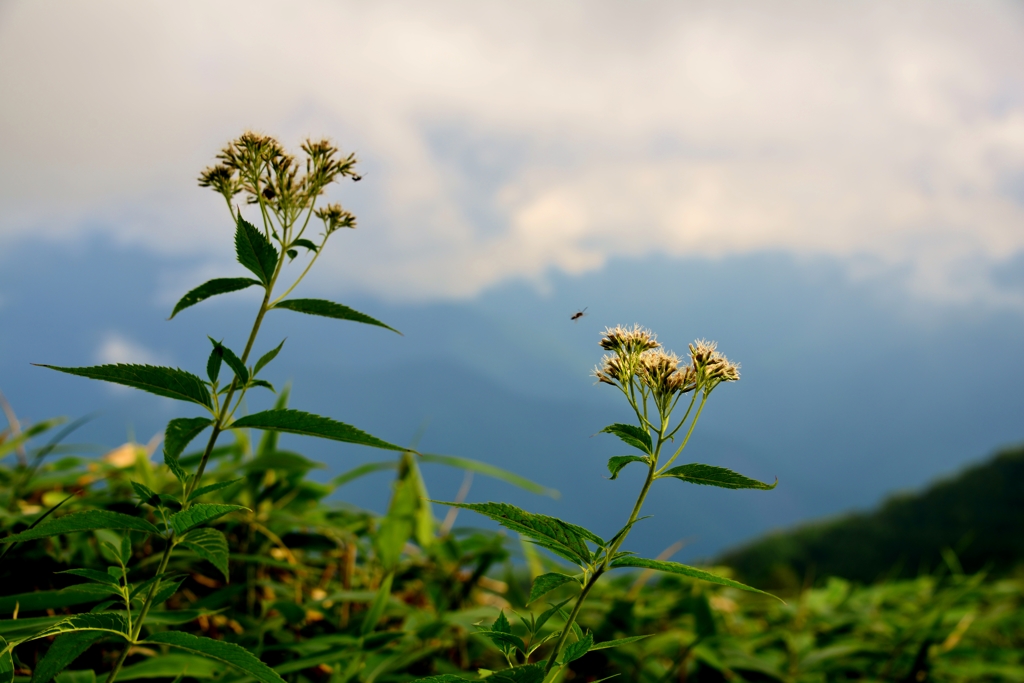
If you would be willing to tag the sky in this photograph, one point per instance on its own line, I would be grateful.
(833, 191)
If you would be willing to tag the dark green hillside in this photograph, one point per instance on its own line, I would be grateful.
(979, 514)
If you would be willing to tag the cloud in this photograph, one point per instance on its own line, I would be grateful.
(116, 348)
(504, 141)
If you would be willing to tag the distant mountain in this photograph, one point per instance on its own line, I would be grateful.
(979, 515)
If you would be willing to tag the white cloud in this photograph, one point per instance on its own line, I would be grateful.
(116, 348)
(502, 141)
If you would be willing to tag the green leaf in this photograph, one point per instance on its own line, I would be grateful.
(213, 363)
(6, 663)
(709, 475)
(171, 665)
(146, 494)
(504, 641)
(181, 431)
(37, 601)
(233, 361)
(684, 570)
(443, 678)
(267, 357)
(531, 673)
(632, 435)
(198, 514)
(380, 601)
(168, 382)
(80, 676)
(545, 583)
(552, 533)
(89, 520)
(617, 462)
(177, 436)
(166, 589)
(547, 614)
(109, 622)
(13, 443)
(262, 383)
(361, 471)
(619, 641)
(329, 309)
(501, 623)
(228, 653)
(176, 469)
(308, 424)
(254, 251)
(576, 650)
(64, 650)
(305, 243)
(202, 491)
(93, 575)
(204, 291)
(490, 471)
(212, 546)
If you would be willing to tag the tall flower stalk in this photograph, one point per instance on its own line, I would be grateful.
(657, 385)
(283, 193)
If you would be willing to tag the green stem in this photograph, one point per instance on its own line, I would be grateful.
(137, 630)
(219, 424)
(609, 553)
(693, 424)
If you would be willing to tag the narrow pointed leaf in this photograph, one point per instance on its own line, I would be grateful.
(213, 363)
(89, 520)
(64, 650)
(181, 431)
(615, 643)
(92, 575)
(202, 491)
(212, 546)
(361, 471)
(233, 361)
(308, 424)
(329, 309)
(576, 650)
(200, 513)
(204, 291)
(267, 357)
(709, 475)
(548, 613)
(254, 251)
(530, 673)
(168, 382)
(545, 583)
(501, 623)
(617, 462)
(218, 650)
(684, 570)
(632, 435)
(490, 471)
(380, 601)
(548, 531)
(6, 663)
(305, 243)
(109, 622)
(171, 666)
(504, 641)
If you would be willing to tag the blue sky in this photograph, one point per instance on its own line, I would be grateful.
(835, 193)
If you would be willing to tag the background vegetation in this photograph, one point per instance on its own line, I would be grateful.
(304, 568)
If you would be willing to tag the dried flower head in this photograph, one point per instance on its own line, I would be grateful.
(335, 217)
(627, 341)
(710, 366)
(223, 179)
(609, 370)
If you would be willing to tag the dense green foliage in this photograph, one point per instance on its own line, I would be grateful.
(230, 563)
(295, 585)
(978, 514)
